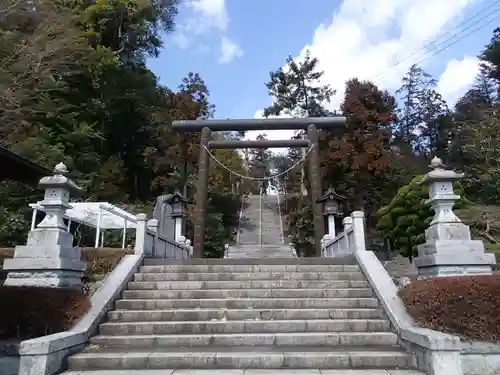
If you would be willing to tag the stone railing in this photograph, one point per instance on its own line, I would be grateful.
(346, 242)
(153, 244)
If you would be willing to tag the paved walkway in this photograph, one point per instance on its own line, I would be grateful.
(246, 372)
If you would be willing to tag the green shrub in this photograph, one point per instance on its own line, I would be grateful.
(404, 220)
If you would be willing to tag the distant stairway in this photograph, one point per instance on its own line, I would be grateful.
(260, 232)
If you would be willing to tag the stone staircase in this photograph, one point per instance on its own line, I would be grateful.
(262, 309)
(309, 313)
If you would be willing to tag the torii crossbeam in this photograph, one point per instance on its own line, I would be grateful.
(311, 124)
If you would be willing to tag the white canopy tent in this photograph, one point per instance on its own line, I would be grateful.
(99, 215)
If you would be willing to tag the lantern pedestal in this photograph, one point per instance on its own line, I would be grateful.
(49, 259)
(449, 249)
(331, 202)
(178, 203)
(331, 226)
(178, 224)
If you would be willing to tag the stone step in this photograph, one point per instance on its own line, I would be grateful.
(244, 326)
(277, 245)
(248, 293)
(258, 253)
(259, 256)
(257, 247)
(255, 284)
(250, 276)
(249, 339)
(245, 372)
(235, 314)
(249, 268)
(347, 260)
(243, 358)
(258, 250)
(247, 303)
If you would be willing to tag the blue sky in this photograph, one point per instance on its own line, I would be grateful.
(350, 37)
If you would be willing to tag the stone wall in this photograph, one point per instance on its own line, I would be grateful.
(100, 261)
(480, 358)
(400, 266)
(9, 358)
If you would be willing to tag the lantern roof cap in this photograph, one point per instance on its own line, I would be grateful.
(331, 194)
(59, 179)
(439, 173)
(177, 195)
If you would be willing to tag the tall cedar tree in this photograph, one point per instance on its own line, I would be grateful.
(357, 161)
(423, 112)
(296, 91)
(74, 87)
(259, 165)
(490, 57)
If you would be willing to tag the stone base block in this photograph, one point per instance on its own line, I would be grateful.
(50, 237)
(49, 279)
(447, 232)
(452, 248)
(44, 272)
(43, 264)
(24, 251)
(455, 264)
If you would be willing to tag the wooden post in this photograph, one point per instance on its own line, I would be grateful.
(201, 195)
(316, 189)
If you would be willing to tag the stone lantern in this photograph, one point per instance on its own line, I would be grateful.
(49, 259)
(449, 249)
(332, 208)
(178, 203)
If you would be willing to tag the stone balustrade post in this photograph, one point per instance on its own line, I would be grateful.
(324, 241)
(140, 233)
(190, 247)
(49, 259)
(347, 222)
(154, 226)
(358, 225)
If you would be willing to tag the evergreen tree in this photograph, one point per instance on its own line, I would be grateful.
(421, 124)
(260, 160)
(297, 91)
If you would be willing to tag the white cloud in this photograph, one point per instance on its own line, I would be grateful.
(229, 51)
(208, 17)
(271, 135)
(366, 39)
(207, 14)
(181, 40)
(457, 78)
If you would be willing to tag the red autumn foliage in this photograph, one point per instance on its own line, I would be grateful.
(357, 157)
(29, 312)
(467, 305)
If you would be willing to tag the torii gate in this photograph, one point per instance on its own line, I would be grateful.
(311, 124)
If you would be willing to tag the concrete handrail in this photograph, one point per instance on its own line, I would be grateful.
(437, 353)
